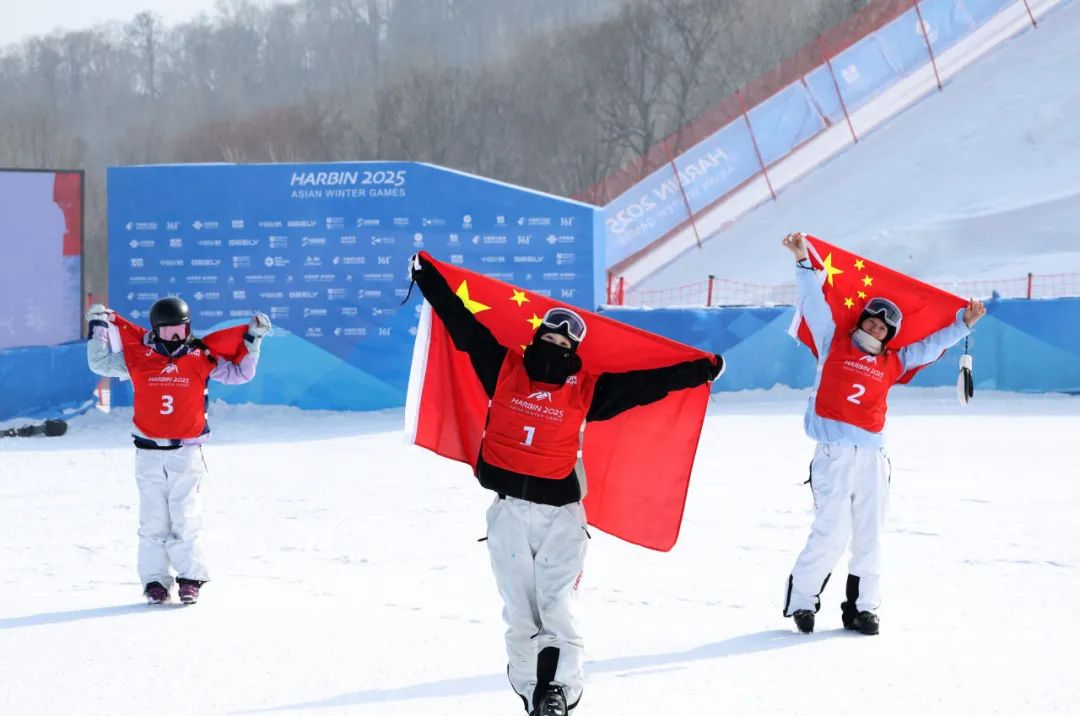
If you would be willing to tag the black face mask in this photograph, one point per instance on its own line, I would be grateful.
(547, 362)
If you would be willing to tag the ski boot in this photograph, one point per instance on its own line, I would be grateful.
(804, 620)
(189, 590)
(553, 703)
(862, 622)
(156, 593)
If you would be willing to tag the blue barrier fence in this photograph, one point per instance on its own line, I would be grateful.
(1025, 346)
(45, 382)
(725, 160)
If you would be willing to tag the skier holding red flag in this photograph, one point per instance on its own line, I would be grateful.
(864, 345)
(169, 370)
(537, 403)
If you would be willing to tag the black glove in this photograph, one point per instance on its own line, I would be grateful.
(719, 367)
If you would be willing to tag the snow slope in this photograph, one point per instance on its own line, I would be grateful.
(979, 181)
(348, 579)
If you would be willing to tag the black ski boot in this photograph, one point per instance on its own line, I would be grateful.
(553, 703)
(864, 623)
(804, 620)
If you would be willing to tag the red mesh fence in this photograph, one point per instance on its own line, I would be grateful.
(810, 56)
(725, 292)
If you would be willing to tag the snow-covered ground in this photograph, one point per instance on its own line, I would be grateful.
(348, 578)
(980, 181)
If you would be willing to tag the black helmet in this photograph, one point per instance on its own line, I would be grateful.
(169, 311)
(887, 311)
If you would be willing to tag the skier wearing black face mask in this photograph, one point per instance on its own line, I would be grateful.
(529, 456)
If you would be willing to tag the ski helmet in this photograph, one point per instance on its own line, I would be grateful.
(169, 311)
(887, 312)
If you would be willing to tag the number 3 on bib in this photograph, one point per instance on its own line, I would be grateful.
(859, 390)
(529, 433)
(167, 405)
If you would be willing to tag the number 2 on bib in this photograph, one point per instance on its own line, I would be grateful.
(859, 390)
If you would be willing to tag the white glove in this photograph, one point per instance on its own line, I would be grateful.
(414, 266)
(98, 312)
(259, 325)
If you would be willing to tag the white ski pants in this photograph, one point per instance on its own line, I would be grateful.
(170, 514)
(537, 554)
(851, 496)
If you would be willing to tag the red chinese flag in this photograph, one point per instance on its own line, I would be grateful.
(637, 465)
(228, 343)
(851, 281)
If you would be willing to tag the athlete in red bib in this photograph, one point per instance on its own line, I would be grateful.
(849, 474)
(169, 370)
(529, 455)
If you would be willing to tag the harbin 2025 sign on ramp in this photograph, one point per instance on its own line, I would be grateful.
(323, 249)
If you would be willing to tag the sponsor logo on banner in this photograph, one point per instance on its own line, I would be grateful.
(402, 293)
(361, 222)
(212, 313)
(401, 221)
(457, 259)
(241, 313)
(240, 295)
(384, 331)
(490, 239)
(383, 241)
(200, 225)
(383, 312)
(565, 259)
(279, 242)
(171, 262)
(546, 292)
(260, 278)
(559, 276)
(560, 239)
(315, 313)
(207, 295)
(350, 260)
(335, 294)
(137, 263)
(303, 294)
(466, 221)
(453, 240)
(534, 221)
(241, 261)
(210, 243)
(566, 292)
(313, 241)
(176, 243)
(427, 221)
(529, 259)
(369, 293)
(313, 261)
(200, 279)
(271, 295)
(352, 331)
(237, 223)
(142, 243)
(244, 242)
(279, 312)
(314, 332)
(276, 261)
(301, 224)
(335, 222)
(141, 226)
(205, 262)
(378, 277)
(349, 240)
(505, 276)
(350, 311)
(493, 259)
(143, 295)
(269, 224)
(319, 277)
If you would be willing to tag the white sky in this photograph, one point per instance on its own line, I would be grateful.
(23, 18)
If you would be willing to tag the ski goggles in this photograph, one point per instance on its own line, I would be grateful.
(558, 317)
(884, 309)
(173, 333)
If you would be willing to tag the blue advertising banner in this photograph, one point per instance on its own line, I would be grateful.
(323, 250)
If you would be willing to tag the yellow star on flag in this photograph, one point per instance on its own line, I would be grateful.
(862, 295)
(859, 264)
(535, 321)
(848, 303)
(830, 270)
(519, 297)
(867, 281)
(473, 306)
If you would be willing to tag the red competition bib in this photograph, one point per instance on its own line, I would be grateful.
(170, 395)
(535, 428)
(855, 386)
